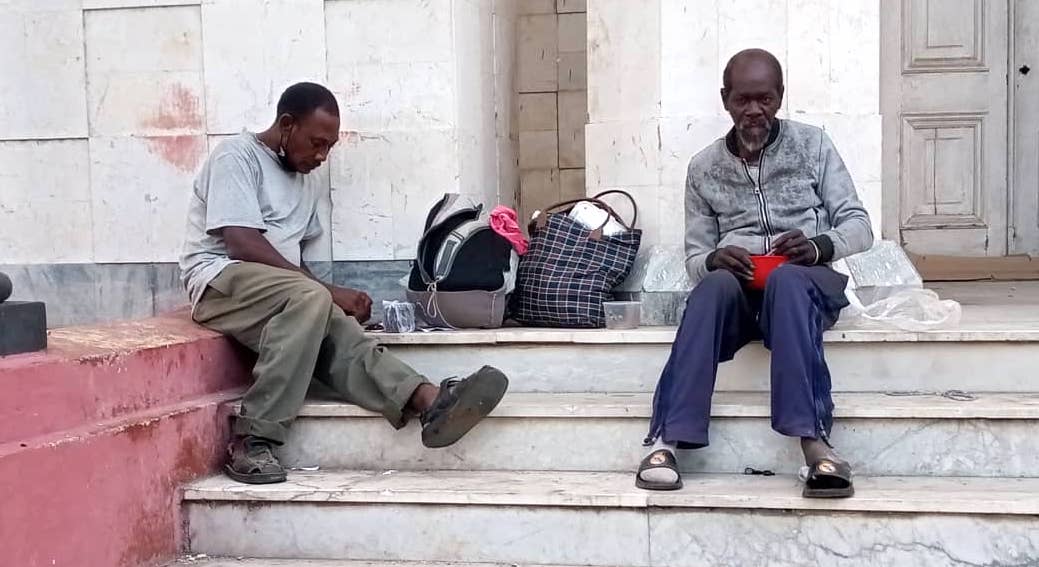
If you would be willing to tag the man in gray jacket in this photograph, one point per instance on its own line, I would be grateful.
(769, 186)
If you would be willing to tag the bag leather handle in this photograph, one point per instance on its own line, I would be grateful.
(634, 206)
(596, 234)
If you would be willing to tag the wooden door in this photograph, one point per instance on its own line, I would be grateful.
(944, 97)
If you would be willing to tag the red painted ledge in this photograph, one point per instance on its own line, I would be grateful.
(98, 433)
(96, 373)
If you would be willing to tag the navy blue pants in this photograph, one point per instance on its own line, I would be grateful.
(721, 316)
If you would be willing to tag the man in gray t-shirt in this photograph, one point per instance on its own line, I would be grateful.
(252, 210)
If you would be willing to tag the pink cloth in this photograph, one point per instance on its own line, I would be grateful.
(504, 222)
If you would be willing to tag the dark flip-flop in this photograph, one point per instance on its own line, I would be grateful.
(829, 479)
(462, 404)
(661, 459)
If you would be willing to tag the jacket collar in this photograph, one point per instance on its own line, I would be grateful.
(733, 145)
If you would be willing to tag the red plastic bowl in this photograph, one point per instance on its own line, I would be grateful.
(763, 266)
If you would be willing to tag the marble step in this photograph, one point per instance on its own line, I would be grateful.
(594, 518)
(989, 357)
(992, 435)
(255, 562)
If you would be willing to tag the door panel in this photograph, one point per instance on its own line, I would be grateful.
(946, 126)
(944, 34)
(942, 161)
(1024, 236)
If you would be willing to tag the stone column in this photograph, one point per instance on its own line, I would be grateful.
(551, 71)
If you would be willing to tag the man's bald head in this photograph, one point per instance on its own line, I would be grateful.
(752, 93)
(749, 57)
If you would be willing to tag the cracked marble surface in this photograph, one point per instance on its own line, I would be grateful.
(855, 367)
(244, 562)
(948, 447)
(881, 435)
(843, 540)
(935, 495)
(567, 518)
(991, 328)
(423, 534)
(986, 405)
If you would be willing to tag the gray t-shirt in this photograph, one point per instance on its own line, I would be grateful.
(243, 184)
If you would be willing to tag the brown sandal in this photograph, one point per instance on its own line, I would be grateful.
(251, 460)
(460, 405)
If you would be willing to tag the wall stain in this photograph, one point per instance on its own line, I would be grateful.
(179, 109)
(182, 152)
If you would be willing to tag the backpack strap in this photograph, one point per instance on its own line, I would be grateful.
(433, 222)
(453, 242)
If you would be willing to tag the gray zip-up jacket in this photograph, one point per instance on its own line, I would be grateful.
(801, 183)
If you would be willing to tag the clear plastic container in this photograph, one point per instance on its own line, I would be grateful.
(398, 316)
(623, 314)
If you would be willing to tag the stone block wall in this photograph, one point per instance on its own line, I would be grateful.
(109, 107)
(551, 82)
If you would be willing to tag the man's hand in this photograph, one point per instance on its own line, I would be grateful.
(352, 302)
(797, 248)
(733, 259)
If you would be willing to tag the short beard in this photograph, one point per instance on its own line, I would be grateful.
(753, 143)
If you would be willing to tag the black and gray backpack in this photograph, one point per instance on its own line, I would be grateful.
(464, 270)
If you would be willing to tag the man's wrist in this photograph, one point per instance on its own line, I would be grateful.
(824, 248)
(815, 248)
(709, 261)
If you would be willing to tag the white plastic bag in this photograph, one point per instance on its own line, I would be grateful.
(886, 292)
(907, 310)
(592, 217)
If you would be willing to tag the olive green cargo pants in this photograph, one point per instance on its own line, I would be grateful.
(290, 321)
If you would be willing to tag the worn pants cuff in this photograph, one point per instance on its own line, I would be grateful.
(395, 411)
(796, 430)
(269, 430)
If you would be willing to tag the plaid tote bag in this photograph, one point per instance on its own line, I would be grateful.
(570, 270)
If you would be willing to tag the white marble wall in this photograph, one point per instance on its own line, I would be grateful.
(655, 69)
(108, 108)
